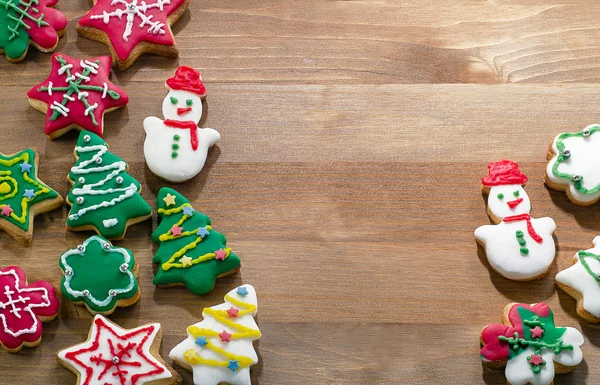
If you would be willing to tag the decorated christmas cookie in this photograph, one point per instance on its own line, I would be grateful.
(219, 348)
(76, 94)
(582, 282)
(23, 194)
(190, 252)
(99, 276)
(517, 246)
(23, 308)
(574, 165)
(113, 355)
(530, 346)
(176, 148)
(25, 22)
(104, 197)
(131, 28)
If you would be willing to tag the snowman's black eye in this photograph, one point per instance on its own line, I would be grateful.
(500, 196)
(189, 102)
(516, 193)
(173, 100)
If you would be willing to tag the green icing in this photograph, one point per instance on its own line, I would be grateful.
(99, 271)
(198, 278)
(175, 146)
(14, 36)
(560, 158)
(500, 196)
(176, 137)
(15, 185)
(173, 100)
(174, 155)
(583, 255)
(109, 200)
(522, 242)
(189, 102)
(516, 193)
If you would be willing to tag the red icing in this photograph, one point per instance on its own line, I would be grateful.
(116, 27)
(181, 111)
(530, 229)
(19, 324)
(515, 203)
(99, 366)
(187, 79)
(225, 337)
(46, 36)
(502, 173)
(188, 124)
(77, 108)
(496, 350)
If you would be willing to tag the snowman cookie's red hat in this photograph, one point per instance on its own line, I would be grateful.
(502, 173)
(187, 79)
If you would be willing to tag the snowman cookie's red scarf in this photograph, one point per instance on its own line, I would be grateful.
(190, 125)
(530, 229)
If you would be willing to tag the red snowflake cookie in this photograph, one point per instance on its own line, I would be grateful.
(23, 308)
(76, 94)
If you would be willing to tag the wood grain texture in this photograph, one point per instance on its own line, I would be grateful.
(354, 136)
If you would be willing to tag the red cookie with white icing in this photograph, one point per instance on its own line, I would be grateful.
(76, 94)
(131, 28)
(23, 308)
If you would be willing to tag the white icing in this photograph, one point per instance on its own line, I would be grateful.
(131, 9)
(70, 78)
(518, 370)
(64, 111)
(110, 222)
(207, 375)
(501, 243)
(67, 96)
(50, 88)
(583, 161)
(104, 348)
(90, 189)
(113, 250)
(105, 90)
(20, 299)
(64, 68)
(82, 94)
(90, 66)
(159, 138)
(90, 109)
(85, 78)
(578, 278)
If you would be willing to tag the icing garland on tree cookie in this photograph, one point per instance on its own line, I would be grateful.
(129, 23)
(99, 275)
(23, 308)
(113, 355)
(26, 21)
(190, 251)
(529, 343)
(77, 93)
(21, 191)
(104, 196)
(219, 349)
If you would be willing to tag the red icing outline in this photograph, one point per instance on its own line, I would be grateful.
(76, 115)
(496, 350)
(187, 79)
(116, 26)
(504, 172)
(89, 370)
(47, 36)
(15, 324)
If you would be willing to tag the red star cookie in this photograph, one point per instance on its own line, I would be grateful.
(131, 27)
(76, 94)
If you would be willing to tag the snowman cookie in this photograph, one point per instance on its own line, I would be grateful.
(176, 148)
(517, 246)
(574, 165)
(582, 282)
(530, 346)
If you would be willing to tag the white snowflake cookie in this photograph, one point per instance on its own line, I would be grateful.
(176, 148)
(517, 246)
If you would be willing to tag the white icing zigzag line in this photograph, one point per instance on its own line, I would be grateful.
(88, 189)
(132, 10)
(64, 111)
(90, 66)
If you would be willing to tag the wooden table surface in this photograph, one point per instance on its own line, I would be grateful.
(354, 138)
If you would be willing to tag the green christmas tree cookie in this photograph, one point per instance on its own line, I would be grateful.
(104, 197)
(190, 252)
(99, 276)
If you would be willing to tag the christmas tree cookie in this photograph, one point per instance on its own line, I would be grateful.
(530, 346)
(219, 349)
(574, 165)
(99, 276)
(116, 356)
(582, 282)
(76, 94)
(29, 22)
(104, 197)
(23, 308)
(23, 194)
(190, 252)
(131, 28)
(176, 148)
(517, 246)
